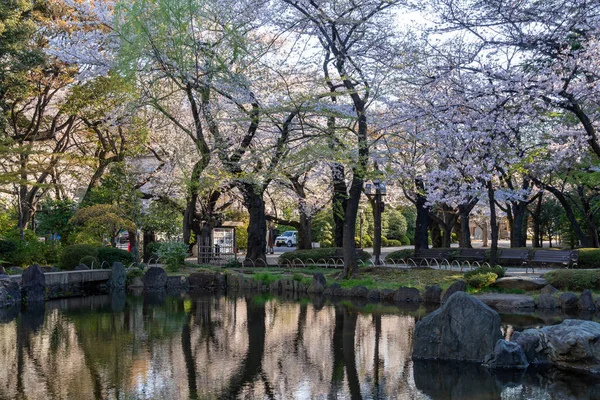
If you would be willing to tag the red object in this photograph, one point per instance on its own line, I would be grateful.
(129, 247)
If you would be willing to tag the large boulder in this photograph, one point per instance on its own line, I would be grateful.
(118, 277)
(387, 294)
(547, 301)
(10, 293)
(407, 294)
(458, 286)
(318, 283)
(359, 291)
(521, 282)
(501, 301)
(433, 294)
(33, 284)
(548, 289)
(462, 329)
(507, 355)
(572, 344)
(586, 301)
(155, 278)
(568, 301)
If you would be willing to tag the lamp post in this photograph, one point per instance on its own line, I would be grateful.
(377, 195)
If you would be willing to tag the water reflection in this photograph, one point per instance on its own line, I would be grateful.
(229, 347)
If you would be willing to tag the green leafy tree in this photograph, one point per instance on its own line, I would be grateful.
(53, 218)
(102, 220)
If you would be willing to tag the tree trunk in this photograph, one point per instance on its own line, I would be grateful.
(518, 234)
(148, 237)
(339, 201)
(257, 228)
(350, 261)
(583, 238)
(305, 232)
(464, 211)
(537, 227)
(484, 233)
(134, 247)
(494, 225)
(436, 234)
(422, 223)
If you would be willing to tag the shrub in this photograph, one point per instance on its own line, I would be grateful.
(7, 246)
(498, 270)
(394, 243)
(404, 240)
(589, 258)
(326, 243)
(266, 278)
(90, 261)
(173, 254)
(151, 250)
(384, 241)
(234, 263)
(316, 254)
(481, 280)
(570, 279)
(111, 255)
(367, 241)
(71, 255)
(134, 273)
(399, 255)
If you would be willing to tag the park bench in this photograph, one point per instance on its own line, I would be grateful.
(568, 258)
(430, 256)
(471, 255)
(518, 255)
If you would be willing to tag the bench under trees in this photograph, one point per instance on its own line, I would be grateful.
(567, 258)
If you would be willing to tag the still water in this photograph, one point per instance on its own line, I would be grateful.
(240, 347)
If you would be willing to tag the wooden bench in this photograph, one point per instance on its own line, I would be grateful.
(568, 258)
(519, 255)
(339, 255)
(431, 256)
(471, 254)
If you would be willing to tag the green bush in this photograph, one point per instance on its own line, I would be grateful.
(397, 256)
(384, 242)
(498, 270)
(394, 243)
(151, 250)
(134, 273)
(404, 240)
(589, 258)
(367, 241)
(7, 246)
(111, 255)
(173, 254)
(234, 263)
(574, 279)
(481, 280)
(326, 243)
(316, 255)
(71, 255)
(266, 278)
(90, 261)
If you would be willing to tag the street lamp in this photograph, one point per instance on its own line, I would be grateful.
(376, 191)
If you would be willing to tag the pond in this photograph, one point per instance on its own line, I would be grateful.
(242, 346)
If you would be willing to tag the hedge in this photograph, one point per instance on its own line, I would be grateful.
(111, 255)
(589, 258)
(574, 279)
(72, 255)
(399, 255)
(316, 255)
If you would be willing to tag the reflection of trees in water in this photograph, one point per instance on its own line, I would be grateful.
(233, 347)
